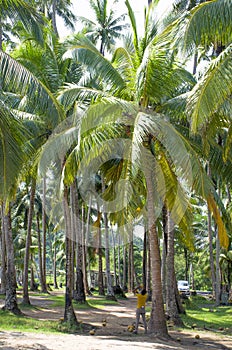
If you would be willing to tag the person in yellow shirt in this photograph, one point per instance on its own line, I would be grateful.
(140, 310)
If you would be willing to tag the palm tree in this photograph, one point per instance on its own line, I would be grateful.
(149, 92)
(208, 102)
(53, 8)
(106, 27)
(21, 10)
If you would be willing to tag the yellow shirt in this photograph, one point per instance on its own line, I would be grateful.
(141, 300)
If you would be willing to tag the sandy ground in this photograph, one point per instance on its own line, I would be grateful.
(113, 336)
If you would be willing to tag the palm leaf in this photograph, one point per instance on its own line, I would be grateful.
(207, 23)
(85, 52)
(13, 136)
(30, 18)
(16, 77)
(211, 91)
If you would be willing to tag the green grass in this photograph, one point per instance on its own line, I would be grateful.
(9, 321)
(99, 302)
(203, 314)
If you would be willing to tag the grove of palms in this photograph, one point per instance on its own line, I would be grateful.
(104, 136)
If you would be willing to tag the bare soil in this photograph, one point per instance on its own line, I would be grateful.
(111, 334)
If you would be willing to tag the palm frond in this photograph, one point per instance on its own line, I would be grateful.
(27, 14)
(207, 23)
(85, 52)
(211, 91)
(13, 136)
(16, 77)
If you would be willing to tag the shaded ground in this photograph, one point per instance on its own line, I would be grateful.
(113, 335)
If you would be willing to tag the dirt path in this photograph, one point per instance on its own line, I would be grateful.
(112, 336)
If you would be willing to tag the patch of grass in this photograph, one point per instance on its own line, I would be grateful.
(202, 313)
(98, 302)
(9, 321)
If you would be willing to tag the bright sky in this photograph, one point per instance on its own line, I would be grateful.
(82, 8)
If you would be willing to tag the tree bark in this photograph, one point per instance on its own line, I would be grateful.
(44, 254)
(145, 257)
(69, 314)
(157, 324)
(171, 305)
(26, 299)
(125, 280)
(11, 297)
(110, 291)
(100, 265)
(3, 255)
(55, 284)
(79, 293)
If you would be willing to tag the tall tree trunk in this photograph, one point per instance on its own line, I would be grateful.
(115, 259)
(157, 324)
(44, 274)
(145, 257)
(164, 250)
(218, 277)
(186, 258)
(148, 268)
(100, 265)
(171, 305)
(130, 266)
(79, 293)
(55, 284)
(41, 277)
(86, 264)
(3, 255)
(119, 263)
(33, 286)
(11, 297)
(110, 291)
(211, 255)
(26, 299)
(125, 280)
(69, 314)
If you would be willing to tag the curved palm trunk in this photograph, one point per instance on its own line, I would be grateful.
(26, 299)
(157, 324)
(11, 297)
(69, 314)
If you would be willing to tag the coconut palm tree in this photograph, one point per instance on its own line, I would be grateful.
(106, 28)
(53, 8)
(149, 90)
(20, 10)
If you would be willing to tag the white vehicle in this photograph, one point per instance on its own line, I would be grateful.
(183, 287)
